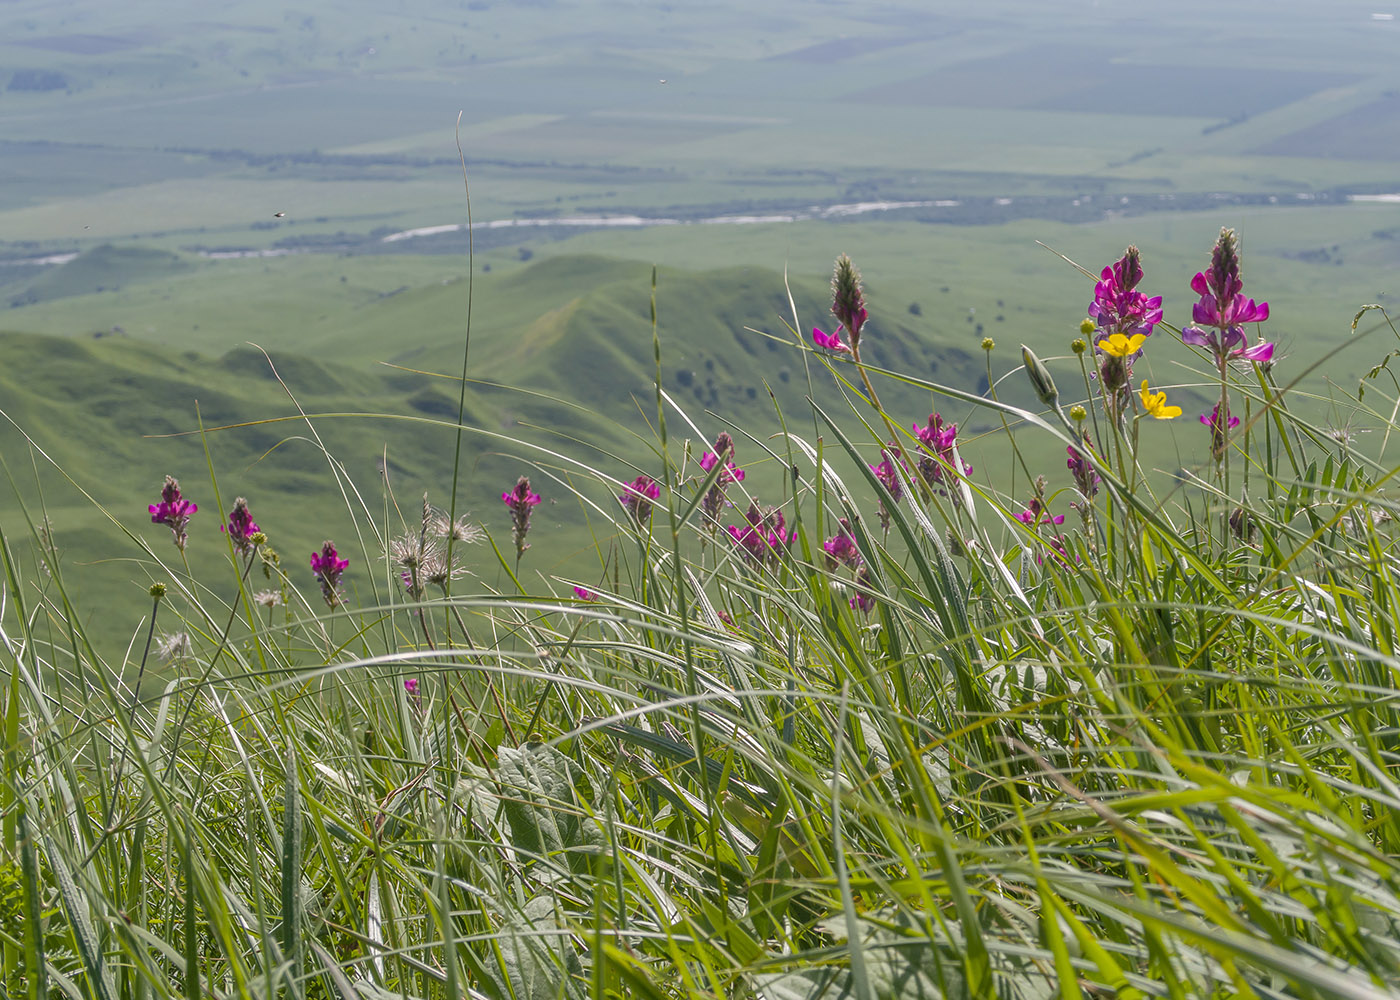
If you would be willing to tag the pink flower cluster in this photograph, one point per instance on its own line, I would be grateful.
(240, 527)
(716, 497)
(1118, 306)
(1224, 309)
(328, 567)
(173, 510)
(938, 439)
(520, 500)
(1036, 514)
(847, 305)
(841, 548)
(765, 538)
(638, 497)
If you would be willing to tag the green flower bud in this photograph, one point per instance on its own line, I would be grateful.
(1078, 346)
(1040, 377)
(1087, 326)
(988, 344)
(1078, 413)
(157, 590)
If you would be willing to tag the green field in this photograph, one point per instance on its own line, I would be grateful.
(145, 141)
(190, 131)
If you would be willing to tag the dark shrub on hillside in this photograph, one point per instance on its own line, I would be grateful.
(38, 79)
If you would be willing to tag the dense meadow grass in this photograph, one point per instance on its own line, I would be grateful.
(830, 713)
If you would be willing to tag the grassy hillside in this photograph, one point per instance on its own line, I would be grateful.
(570, 332)
(572, 336)
(1120, 738)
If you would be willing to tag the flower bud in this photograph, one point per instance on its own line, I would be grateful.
(1077, 413)
(988, 344)
(848, 297)
(1242, 525)
(1040, 377)
(157, 590)
(1078, 346)
(1087, 326)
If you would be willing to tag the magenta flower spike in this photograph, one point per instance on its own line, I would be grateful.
(847, 305)
(1118, 306)
(1120, 310)
(886, 474)
(841, 548)
(937, 439)
(240, 527)
(584, 594)
(765, 539)
(848, 298)
(724, 449)
(328, 567)
(1086, 480)
(1036, 514)
(410, 686)
(173, 510)
(716, 498)
(638, 498)
(520, 501)
(1222, 310)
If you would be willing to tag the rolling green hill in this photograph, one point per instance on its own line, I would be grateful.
(103, 268)
(377, 341)
(571, 335)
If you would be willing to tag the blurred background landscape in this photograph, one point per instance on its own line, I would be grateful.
(199, 207)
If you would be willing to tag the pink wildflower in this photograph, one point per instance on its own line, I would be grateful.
(328, 567)
(173, 510)
(638, 496)
(1223, 308)
(240, 527)
(521, 501)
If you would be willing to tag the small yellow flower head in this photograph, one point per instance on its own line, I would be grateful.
(1087, 326)
(1120, 346)
(1078, 413)
(157, 590)
(1155, 403)
(1078, 346)
(988, 343)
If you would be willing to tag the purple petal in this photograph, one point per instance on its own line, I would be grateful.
(1259, 352)
(831, 341)
(1250, 312)
(1205, 312)
(1196, 337)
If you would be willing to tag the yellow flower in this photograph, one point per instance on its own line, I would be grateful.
(1120, 346)
(1155, 403)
